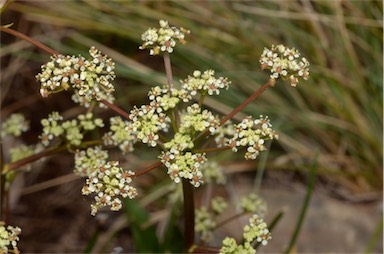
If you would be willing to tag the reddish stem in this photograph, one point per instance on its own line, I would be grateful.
(147, 169)
(247, 101)
(29, 39)
(116, 109)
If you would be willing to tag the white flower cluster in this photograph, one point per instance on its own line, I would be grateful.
(109, 183)
(179, 143)
(71, 130)
(90, 78)
(204, 224)
(252, 134)
(9, 236)
(254, 204)
(205, 83)
(218, 205)
(86, 103)
(224, 131)
(256, 230)
(285, 62)
(165, 98)
(184, 165)
(213, 172)
(122, 134)
(198, 120)
(86, 161)
(14, 125)
(163, 39)
(146, 123)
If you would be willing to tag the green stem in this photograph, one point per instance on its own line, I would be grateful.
(311, 185)
(375, 239)
(271, 226)
(189, 214)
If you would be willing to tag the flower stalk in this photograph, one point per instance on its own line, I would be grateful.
(189, 214)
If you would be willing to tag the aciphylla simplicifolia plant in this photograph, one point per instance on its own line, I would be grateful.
(175, 122)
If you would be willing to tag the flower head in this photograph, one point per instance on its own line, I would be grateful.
(9, 236)
(90, 159)
(146, 123)
(90, 78)
(285, 62)
(204, 223)
(71, 130)
(184, 165)
(198, 120)
(165, 98)
(14, 125)
(163, 39)
(253, 204)
(205, 83)
(252, 134)
(255, 230)
(109, 183)
(122, 134)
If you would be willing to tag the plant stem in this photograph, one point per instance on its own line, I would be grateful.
(236, 216)
(310, 187)
(116, 109)
(247, 101)
(203, 249)
(189, 214)
(168, 69)
(34, 157)
(239, 108)
(147, 169)
(212, 149)
(29, 39)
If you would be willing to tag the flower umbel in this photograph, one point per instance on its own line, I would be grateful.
(110, 183)
(90, 78)
(254, 204)
(9, 236)
(255, 230)
(205, 83)
(204, 224)
(163, 39)
(285, 62)
(90, 159)
(184, 165)
(14, 125)
(71, 131)
(122, 134)
(252, 134)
